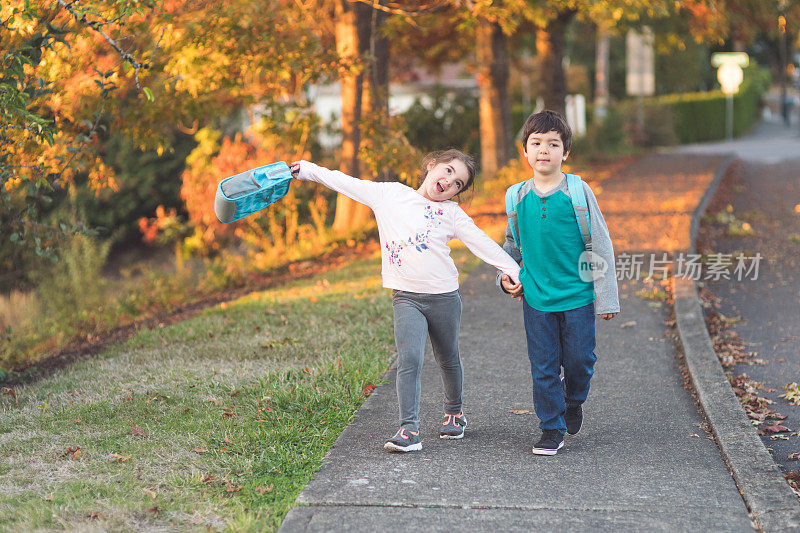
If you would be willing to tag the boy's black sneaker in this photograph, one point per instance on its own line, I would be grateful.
(552, 440)
(573, 418)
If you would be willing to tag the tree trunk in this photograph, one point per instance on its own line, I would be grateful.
(601, 93)
(494, 107)
(364, 93)
(375, 87)
(550, 49)
(347, 47)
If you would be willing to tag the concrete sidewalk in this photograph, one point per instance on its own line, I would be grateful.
(642, 461)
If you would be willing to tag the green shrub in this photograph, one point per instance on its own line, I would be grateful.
(701, 117)
(606, 138)
(146, 179)
(450, 120)
(74, 284)
(687, 117)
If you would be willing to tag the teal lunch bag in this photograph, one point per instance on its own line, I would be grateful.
(251, 191)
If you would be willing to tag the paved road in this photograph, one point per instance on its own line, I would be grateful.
(764, 191)
(770, 143)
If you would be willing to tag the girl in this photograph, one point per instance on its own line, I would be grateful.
(415, 227)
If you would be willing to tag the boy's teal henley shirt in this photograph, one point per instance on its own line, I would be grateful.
(550, 255)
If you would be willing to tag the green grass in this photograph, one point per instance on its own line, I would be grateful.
(217, 422)
(225, 416)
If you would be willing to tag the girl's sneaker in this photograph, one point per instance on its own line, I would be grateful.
(404, 441)
(453, 426)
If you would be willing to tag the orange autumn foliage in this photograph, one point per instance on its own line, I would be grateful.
(201, 177)
(208, 164)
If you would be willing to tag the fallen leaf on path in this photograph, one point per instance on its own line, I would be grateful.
(792, 394)
(520, 411)
(150, 493)
(199, 450)
(776, 428)
(794, 456)
(695, 435)
(154, 510)
(628, 324)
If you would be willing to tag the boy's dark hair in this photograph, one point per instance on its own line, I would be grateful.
(545, 122)
(445, 156)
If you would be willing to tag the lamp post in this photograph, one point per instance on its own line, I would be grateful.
(730, 75)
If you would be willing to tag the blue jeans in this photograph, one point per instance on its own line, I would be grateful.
(556, 339)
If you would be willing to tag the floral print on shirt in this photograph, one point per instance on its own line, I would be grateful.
(418, 241)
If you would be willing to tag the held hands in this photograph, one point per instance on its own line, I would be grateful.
(608, 316)
(514, 289)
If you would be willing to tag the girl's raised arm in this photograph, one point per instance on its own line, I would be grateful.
(363, 191)
(483, 246)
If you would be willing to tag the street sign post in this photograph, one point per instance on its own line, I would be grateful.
(730, 75)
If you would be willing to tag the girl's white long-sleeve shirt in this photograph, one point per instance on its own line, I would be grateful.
(414, 232)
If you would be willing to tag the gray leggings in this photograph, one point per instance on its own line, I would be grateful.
(416, 316)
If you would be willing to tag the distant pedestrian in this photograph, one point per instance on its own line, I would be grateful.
(415, 226)
(567, 275)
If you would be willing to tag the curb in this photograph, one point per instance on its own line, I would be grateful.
(772, 504)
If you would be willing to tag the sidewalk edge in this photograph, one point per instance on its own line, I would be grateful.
(771, 502)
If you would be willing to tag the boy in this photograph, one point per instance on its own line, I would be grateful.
(559, 300)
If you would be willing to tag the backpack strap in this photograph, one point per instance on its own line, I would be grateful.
(581, 207)
(511, 209)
